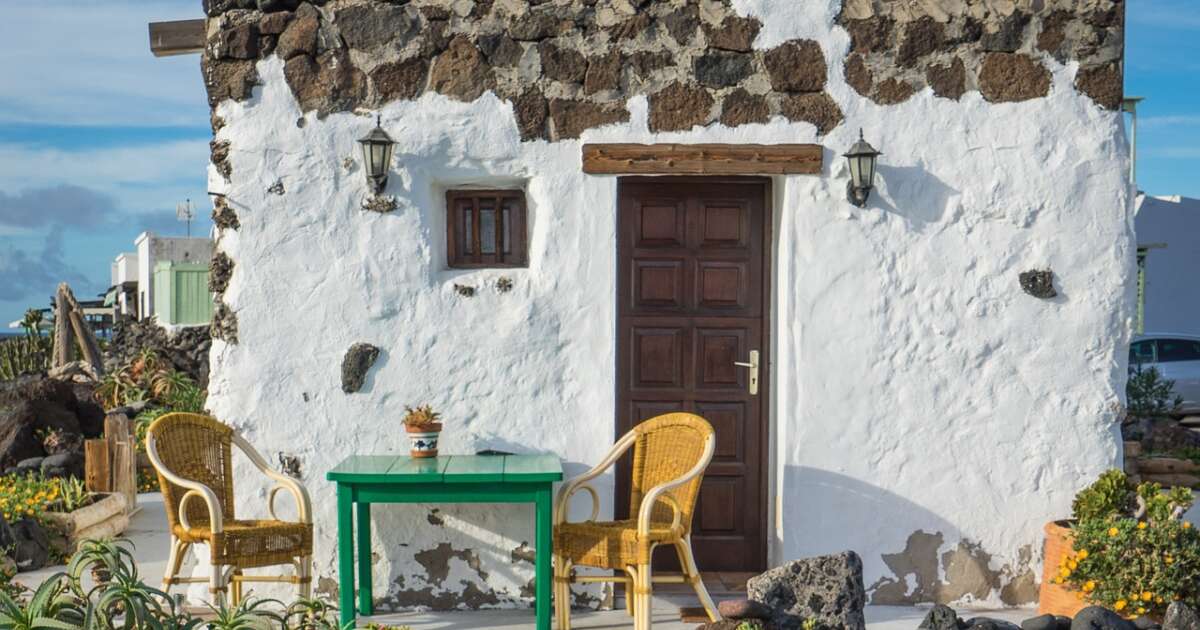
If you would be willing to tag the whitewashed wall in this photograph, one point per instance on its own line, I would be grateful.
(916, 388)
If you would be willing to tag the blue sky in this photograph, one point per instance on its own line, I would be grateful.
(99, 139)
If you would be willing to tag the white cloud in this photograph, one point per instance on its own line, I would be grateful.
(73, 62)
(1155, 122)
(121, 171)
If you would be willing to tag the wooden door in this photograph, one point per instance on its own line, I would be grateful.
(694, 267)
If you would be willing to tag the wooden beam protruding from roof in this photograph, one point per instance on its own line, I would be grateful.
(702, 159)
(179, 37)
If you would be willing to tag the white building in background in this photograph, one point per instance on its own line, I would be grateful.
(123, 291)
(1168, 236)
(157, 255)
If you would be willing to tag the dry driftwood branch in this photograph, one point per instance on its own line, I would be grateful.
(64, 350)
(83, 333)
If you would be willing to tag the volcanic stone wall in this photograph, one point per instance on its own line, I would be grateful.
(569, 65)
(1000, 48)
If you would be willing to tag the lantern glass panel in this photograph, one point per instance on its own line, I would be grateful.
(855, 163)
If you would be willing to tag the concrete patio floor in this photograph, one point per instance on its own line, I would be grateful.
(148, 532)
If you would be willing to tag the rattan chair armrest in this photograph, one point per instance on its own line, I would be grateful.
(298, 492)
(214, 508)
(303, 504)
(646, 510)
(195, 488)
(560, 515)
(576, 483)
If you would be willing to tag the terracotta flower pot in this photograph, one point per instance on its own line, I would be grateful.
(424, 439)
(1058, 599)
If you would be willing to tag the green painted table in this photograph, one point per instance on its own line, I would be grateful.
(365, 479)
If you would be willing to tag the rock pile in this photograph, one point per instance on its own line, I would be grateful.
(34, 406)
(186, 350)
(1179, 617)
(826, 589)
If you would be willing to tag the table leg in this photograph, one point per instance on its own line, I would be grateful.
(543, 550)
(365, 604)
(345, 534)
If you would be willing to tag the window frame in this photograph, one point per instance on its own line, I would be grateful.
(1186, 343)
(518, 255)
(1153, 344)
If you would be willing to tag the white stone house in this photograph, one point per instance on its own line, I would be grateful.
(915, 405)
(1168, 255)
(123, 285)
(152, 250)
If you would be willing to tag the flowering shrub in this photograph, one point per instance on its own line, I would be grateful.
(1135, 564)
(28, 496)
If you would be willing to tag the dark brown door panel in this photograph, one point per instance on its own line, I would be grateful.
(692, 299)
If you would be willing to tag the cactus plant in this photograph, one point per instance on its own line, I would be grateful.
(23, 355)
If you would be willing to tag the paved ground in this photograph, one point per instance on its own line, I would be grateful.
(148, 531)
(666, 617)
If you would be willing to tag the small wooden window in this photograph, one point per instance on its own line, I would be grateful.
(486, 228)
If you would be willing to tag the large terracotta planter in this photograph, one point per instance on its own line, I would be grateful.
(1057, 599)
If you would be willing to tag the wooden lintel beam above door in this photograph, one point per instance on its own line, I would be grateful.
(702, 159)
(178, 37)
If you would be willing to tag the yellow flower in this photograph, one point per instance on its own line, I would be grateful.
(1113, 531)
(1120, 605)
(1141, 610)
(1187, 525)
(1073, 565)
(1064, 573)
(1169, 560)
(1083, 554)
(1147, 596)
(1089, 586)
(1142, 525)
(1158, 600)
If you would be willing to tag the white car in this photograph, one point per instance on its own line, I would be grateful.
(1177, 358)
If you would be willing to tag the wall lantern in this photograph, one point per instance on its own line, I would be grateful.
(377, 148)
(861, 158)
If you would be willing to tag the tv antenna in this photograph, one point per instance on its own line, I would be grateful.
(185, 212)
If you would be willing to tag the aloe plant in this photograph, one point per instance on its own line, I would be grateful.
(52, 607)
(312, 614)
(104, 558)
(250, 614)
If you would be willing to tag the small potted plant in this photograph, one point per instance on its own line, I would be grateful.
(1127, 549)
(423, 427)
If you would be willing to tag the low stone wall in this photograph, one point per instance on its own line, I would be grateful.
(186, 349)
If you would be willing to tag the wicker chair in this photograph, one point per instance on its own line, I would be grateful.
(193, 457)
(670, 453)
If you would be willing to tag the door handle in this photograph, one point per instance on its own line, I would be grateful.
(753, 365)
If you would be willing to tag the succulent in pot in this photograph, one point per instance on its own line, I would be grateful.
(424, 427)
(1126, 549)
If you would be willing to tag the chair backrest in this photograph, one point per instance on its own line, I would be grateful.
(196, 448)
(666, 448)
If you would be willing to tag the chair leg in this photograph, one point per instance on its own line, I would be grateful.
(629, 582)
(562, 592)
(174, 562)
(217, 586)
(235, 588)
(304, 570)
(644, 598)
(688, 562)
